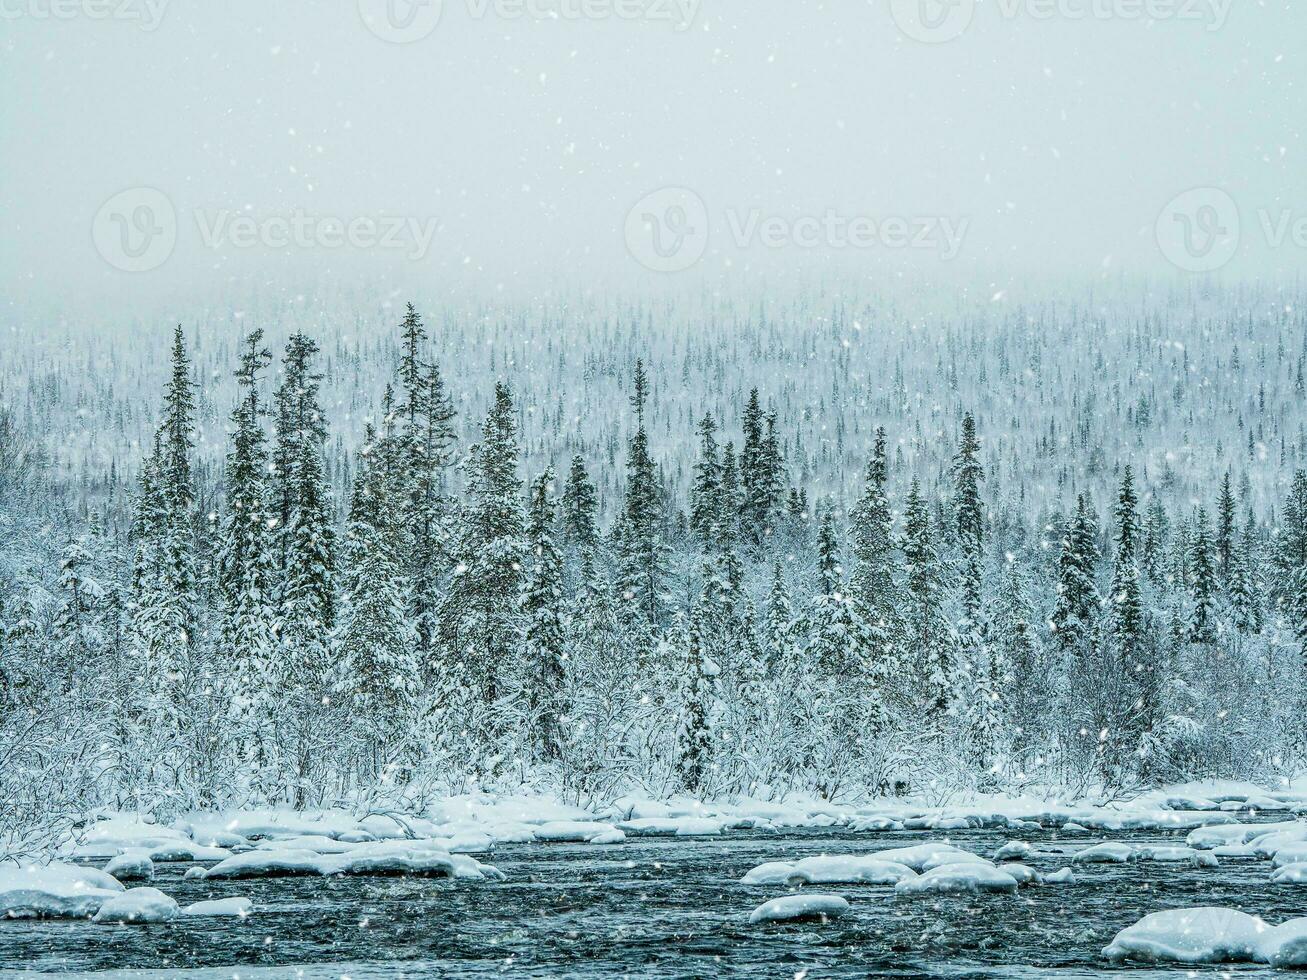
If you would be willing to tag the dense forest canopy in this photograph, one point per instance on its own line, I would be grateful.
(827, 543)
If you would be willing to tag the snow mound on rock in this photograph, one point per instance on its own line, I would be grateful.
(137, 906)
(951, 878)
(798, 908)
(54, 891)
(1211, 935)
(1109, 852)
(133, 865)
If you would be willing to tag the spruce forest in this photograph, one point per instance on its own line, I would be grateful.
(831, 545)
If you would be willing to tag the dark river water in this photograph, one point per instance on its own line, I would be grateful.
(654, 907)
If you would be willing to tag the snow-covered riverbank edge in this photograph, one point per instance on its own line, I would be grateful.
(476, 822)
(203, 869)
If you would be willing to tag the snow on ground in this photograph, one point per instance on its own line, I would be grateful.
(425, 858)
(829, 869)
(240, 907)
(1211, 935)
(951, 878)
(1109, 852)
(137, 906)
(54, 891)
(133, 864)
(793, 908)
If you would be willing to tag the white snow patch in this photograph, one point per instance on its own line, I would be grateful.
(240, 907)
(138, 906)
(794, 908)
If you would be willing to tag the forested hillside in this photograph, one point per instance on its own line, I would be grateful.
(837, 544)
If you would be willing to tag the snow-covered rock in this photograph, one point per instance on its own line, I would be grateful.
(875, 823)
(1287, 854)
(954, 857)
(54, 891)
(1179, 802)
(138, 906)
(1176, 855)
(1286, 944)
(267, 864)
(1064, 876)
(771, 873)
(1024, 874)
(1206, 838)
(1290, 874)
(795, 908)
(317, 843)
(672, 826)
(133, 865)
(240, 907)
(958, 878)
(612, 837)
(1109, 852)
(1013, 849)
(387, 857)
(917, 855)
(1211, 935)
(571, 831)
(851, 870)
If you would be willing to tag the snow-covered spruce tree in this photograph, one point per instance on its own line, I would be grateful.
(643, 556)
(603, 697)
(754, 497)
(1020, 647)
(164, 596)
(1227, 531)
(1290, 560)
(1130, 652)
(481, 616)
(1077, 604)
(788, 696)
(1202, 582)
(580, 508)
(706, 488)
(546, 652)
(936, 674)
(873, 585)
(425, 447)
(980, 660)
(247, 571)
(306, 611)
(698, 702)
(1245, 594)
(376, 659)
(849, 717)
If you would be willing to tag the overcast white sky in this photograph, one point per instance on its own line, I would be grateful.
(1046, 140)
